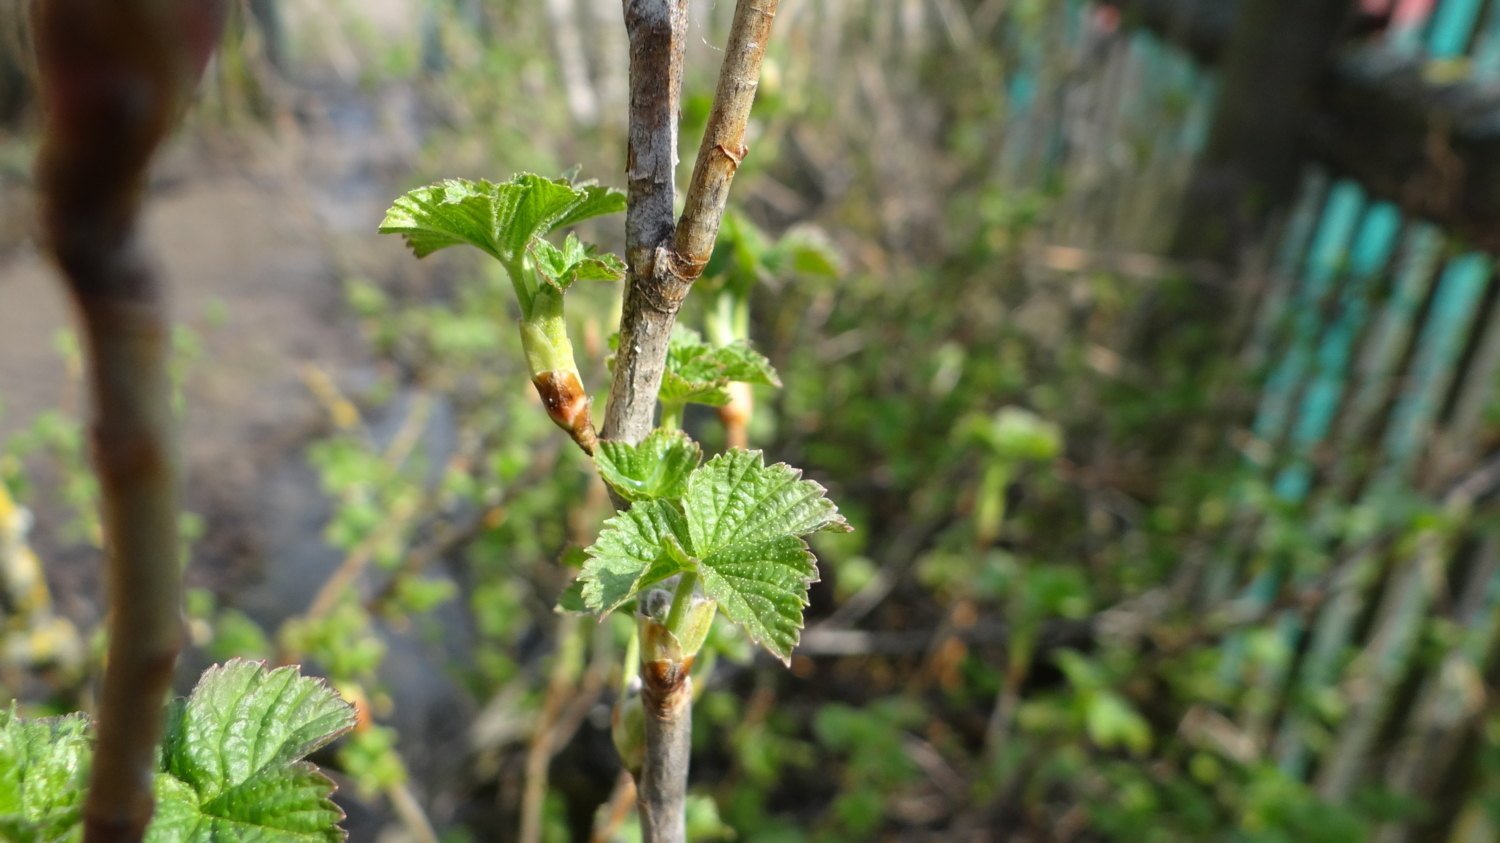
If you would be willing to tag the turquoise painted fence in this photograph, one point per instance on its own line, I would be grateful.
(1378, 339)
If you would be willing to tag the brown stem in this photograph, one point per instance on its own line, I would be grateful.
(658, 35)
(664, 260)
(723, 145)
(667, 693)
(136, 462)
(113, 78)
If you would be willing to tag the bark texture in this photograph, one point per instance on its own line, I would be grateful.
(664, 260)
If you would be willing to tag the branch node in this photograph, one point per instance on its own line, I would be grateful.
(735, 156)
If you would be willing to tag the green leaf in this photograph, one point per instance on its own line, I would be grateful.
(744, 256)
(735, 498)
(807, 251)
(1014, 435)
(740, 529)
(43, 772)
(1112, 722)
(571, 602)
(746, 520)
(656, 468)
(762, 586)
(740, 362)
(233, 757)
(289, 804)
(500, 219)
(560, 267)
(697, 373)
(633, 551)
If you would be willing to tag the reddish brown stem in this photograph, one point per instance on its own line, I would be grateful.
(113, 78)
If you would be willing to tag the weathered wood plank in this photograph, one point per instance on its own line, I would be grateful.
(1432, 147)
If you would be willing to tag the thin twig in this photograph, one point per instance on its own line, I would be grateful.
(616, 810)
(405, 513)
(664, 260)
(409, 810)
(724, 139)
(560, 685)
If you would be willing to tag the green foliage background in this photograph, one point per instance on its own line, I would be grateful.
(998, 650)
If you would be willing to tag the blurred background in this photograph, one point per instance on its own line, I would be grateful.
(1149, 345)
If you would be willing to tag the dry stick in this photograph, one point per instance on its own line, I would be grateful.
(113, 78)
(664, 262)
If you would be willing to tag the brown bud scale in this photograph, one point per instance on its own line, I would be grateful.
(568, 405)
(665, 688)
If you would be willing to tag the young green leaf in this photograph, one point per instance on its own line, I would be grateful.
(740, 529)
(635, 549)
(656, 468)
(500, 219)
(739, 362)
(560, 267)
(745, 256)
(698, 373)
(43, 772)
(233, 758)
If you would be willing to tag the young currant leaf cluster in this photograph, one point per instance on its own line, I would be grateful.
(734, 523)
(231, 764)
(510, 222)
(698, 373)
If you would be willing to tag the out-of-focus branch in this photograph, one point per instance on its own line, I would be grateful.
(113, 78)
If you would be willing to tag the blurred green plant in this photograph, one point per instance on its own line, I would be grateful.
(231, 766)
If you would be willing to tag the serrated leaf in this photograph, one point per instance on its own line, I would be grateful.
(762, 586)
(574, 261)
(233, 757)
(740, 362)
(500, 219)
(657, 468)
(740, 529)
(746, 520)
(735, 497)
(289, 804)
(242, 718)
(43, 773)
(632, 551)
(677, 390)
(697, 373)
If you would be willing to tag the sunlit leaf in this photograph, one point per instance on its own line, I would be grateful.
(740, 529)
(658, 467)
